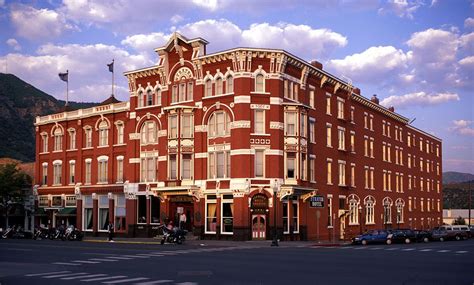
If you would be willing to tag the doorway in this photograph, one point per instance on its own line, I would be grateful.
(180, 205)
(259, 226)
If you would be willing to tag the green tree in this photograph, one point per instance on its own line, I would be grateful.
(459, 221)
(12, 181)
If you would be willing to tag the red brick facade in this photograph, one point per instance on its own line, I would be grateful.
(215, 135)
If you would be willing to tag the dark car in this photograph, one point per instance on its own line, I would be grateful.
(423, 236)
(439, 234)
(401, 236)
(372, 236)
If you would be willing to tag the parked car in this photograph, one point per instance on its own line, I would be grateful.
(422, 236)
(439, 234)
(456, 232)
(400, 236)
(372, 236)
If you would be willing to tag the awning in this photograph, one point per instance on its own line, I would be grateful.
(302, 192)
(67, 212)
(40, 212)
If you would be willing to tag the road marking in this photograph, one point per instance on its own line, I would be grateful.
(444, 250)
(102, 259)
(134, 256)
(462, 251)
(103, 278)
(151, 254)
(154, 282)
(426, 249)
(118, 257)
(46, 273)
(408, 249)
(78, 277)
(345, 247)
(359, 248)
(65, 275)
(125, 280)
(86, 261)
(66, 263)
(375, 248)
(393, 248)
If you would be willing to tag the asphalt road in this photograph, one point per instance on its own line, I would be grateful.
(57, 262)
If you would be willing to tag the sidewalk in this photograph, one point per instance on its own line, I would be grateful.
(219, 243)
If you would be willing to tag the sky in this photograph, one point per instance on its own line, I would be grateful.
(416, 55)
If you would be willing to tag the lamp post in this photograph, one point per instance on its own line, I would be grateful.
(360, 220)
(275, 191)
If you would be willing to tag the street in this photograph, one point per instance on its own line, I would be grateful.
(202, 262)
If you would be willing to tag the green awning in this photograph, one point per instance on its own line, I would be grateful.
(40, 212)
(67, 212)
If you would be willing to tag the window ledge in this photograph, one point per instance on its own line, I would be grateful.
(217, 96)
(354, 224)
(56, 151)
(119, 144)
(181, 102)
(260, 92)
(146, 107)
(210, 233)
(44, 152)
(368, 224)
(103, 146)
(257, 134)
(73, 149)
(86, 148)
(330, 146)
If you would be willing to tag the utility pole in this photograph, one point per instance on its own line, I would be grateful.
(470, 203)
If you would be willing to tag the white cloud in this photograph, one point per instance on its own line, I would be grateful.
(467, 43)
(38, 24)
(419, 99)
(87, 68)
(374, 63)
(146, 43)
(208, 4)
(176, 19)
(434, 46)
(13, 43)
(401, 8)
(463, 127)
(469, 23)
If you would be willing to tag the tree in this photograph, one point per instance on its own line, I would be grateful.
(12, 181)
(459, 221)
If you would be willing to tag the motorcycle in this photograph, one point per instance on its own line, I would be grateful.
(58, 233)
(72, 233)
(176, 235)
(41, 233)
(16, 232)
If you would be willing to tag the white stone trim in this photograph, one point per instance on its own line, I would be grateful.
(276, 101)
(162, 158)
(243, 99)
(201, 155)
(133, 160)
(274, 152)
(242, 151)
(240, 125)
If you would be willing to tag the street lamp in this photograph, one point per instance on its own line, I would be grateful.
(275, 186)
(360, 220)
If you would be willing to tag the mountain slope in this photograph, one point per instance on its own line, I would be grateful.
(456, 177)
(20, 103)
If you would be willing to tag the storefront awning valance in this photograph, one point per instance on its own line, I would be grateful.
(290, 190)
(67, 212)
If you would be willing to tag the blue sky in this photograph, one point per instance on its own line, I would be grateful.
(417, 55)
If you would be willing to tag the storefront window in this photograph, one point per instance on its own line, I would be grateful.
(227, 221)
(155, 210)
(211, 215)
(87, 219)
(141, 209)
(120, 224)
(103, 203)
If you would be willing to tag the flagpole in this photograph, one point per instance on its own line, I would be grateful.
(113, 77)
(67, 88)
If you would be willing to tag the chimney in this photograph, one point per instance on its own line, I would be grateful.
(374, 99)
(391, 109)
(317, 64)
(356, 91)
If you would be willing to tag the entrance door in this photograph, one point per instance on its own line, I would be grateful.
(258, 226)
(177, 208)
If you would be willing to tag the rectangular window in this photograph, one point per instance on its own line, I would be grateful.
(88, 172)
(72, 139)
(88, 213)
(285, 88)
(329, 172)
(311, 96)
(290, 165)
(259, 165)
(371, 122)
(173, 167)
(227, 216)
(366, 177)
(342, 173)
(43, 201)
(57, 169)
(44, 172)
(72, 173)
(58, 142)
(328, 135)
(173, 126)
(304, 170)
(295, 222)
(371, 147)
(290, 126)
(342, 140)
(286, 224)
(353, 184)
(366, 146)
(187, 125)
(366, 121)
(259, 121)
(303, 125)
(141, 209)
(103, 206)
(119, 170)
(312, 136)
(45, 142)
(103, 137)
(187, 167)
(329, 211)
(340, 109)
(328, 103)
(120, 134)
(312, 173)
(102, 171)
(174, 94)
(352, 114)
(189, 92)
(120, 215)
(372, 178)
(182, 91)
(211, 214)
(352, 142)
(88, 134)
(154, 210)
(219, 164)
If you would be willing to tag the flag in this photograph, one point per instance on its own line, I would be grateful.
(64, 76)
(111, 66)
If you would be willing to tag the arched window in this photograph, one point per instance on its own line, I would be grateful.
(103, 133)
(208, 88)
(229, 84)
(102, 169)
(400, 204)
(72, 138)
(219, 86)
(140, 99)
(57, 172)
(148, 133)
(158, 96)
(387, 210)
(58, 139)
(219, 124)
(149, 97)
(120, 132)
(369, 202)
(259, 83)
(88, 136)
(353, 209)
(44, 140)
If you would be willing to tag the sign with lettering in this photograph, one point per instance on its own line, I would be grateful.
(316, 201)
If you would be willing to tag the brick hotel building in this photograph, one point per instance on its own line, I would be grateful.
(228, 138)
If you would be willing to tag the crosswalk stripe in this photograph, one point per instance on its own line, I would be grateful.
(359, 248)
(148, 254)
(79, 277)
(394, 248)
(408, 249)
(461, 251)
(444, 250)
(375, 248)
(426, 249)
(85, 261)
(154, 282)
(125, 280)
(103, 278)
(134, 256)
(119, 257)
(46, 273)
(64, 275)
(67, 263)
(102, 259)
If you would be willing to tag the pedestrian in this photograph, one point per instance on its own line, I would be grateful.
(182, 220)
(110, 228)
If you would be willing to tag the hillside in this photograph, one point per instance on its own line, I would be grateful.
(20, 103)
(456, 177)
(456, 195)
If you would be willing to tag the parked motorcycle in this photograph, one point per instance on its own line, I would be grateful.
(176, 235)
(16, 232)
(72, 233)
(41, 233)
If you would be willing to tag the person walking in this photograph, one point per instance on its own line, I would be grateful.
(182, 220)
(110, 228)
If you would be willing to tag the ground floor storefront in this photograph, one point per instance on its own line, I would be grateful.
(138, 210)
